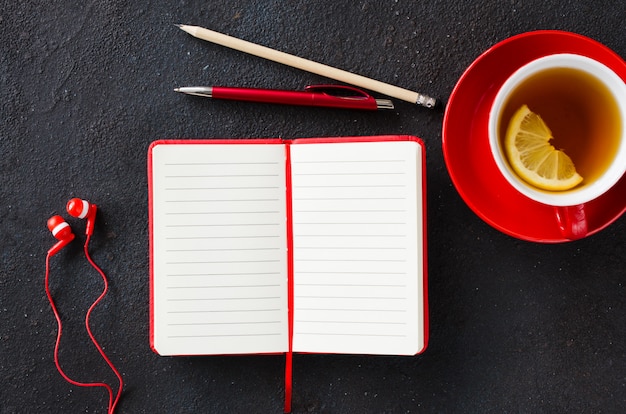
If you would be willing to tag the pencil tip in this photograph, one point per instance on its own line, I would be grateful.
(187, 28)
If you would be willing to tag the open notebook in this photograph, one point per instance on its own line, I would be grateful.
(273, 246)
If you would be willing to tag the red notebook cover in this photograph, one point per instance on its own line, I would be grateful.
(281, 246)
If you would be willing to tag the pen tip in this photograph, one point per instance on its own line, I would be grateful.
(176, 89)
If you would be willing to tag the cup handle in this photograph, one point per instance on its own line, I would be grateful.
(572, 221)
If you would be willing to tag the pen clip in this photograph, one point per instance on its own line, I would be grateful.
(334, 90)
(349, 94)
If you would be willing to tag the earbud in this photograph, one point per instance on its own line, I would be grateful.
(62, 231)
(83, 209)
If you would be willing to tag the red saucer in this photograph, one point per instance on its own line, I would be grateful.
(466, 144)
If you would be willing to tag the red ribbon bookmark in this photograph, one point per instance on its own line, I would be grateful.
(290, 301)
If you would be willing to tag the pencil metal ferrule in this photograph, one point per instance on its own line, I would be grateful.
(426, 101)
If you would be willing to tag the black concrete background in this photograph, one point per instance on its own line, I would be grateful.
(86, 86)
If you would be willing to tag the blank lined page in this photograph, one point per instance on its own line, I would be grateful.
(219, 249)
(358, 264)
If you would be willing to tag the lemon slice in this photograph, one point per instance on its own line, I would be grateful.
(533, 158)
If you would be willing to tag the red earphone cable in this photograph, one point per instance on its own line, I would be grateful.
(58, 341)
(93, 339)
(112, 402)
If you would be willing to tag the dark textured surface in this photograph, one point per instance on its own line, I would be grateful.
(87, 85)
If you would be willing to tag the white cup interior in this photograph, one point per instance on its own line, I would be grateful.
(583, 193)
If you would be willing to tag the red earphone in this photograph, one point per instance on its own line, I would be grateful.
(62, 231)
(83, 209)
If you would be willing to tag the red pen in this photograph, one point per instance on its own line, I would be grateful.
(330, 96)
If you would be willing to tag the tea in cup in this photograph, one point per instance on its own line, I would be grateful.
(579, 104)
